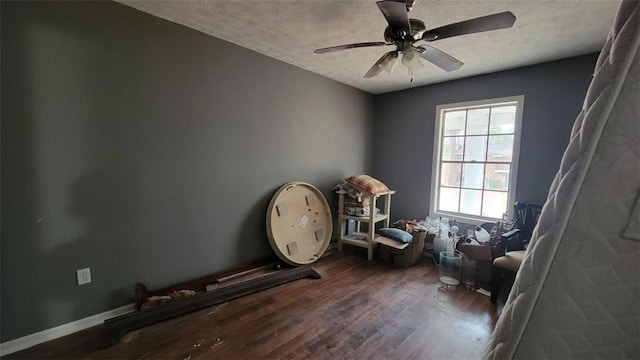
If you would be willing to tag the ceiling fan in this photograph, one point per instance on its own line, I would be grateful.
(403, 32)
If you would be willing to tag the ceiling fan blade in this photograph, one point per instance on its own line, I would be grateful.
(386, 62)
(349, 46)
(497, 21)
(396, 14)
(439, 58)
(373, 72)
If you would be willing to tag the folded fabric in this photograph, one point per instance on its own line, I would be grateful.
(367, 184)
(396, 234)
(409, 226)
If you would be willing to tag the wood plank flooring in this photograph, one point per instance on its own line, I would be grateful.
(358, 310)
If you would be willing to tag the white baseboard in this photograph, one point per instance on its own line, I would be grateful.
(40, 337)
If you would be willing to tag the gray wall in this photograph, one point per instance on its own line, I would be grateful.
(404, 126)
(149, 152)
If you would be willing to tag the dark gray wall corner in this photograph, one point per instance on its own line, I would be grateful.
(148, 152)
(404, 127)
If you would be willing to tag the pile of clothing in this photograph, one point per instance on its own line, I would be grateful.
(410, 226)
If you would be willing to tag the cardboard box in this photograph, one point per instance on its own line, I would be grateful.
(404, 257)
(483, 256)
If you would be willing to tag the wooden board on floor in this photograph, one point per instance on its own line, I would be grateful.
(113, 329)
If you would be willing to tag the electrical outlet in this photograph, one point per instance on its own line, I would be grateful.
(84, 276)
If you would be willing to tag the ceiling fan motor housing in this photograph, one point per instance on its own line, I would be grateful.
(393, 36)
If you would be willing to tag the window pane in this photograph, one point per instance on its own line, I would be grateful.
(470, 201)
(473, 176)
(450, 174)
(497, 177)
(478, 122)
(500, 148)
(454, 122)
(449, 199)
(452, 148)
(475, 148)
(503, 120)
(494, 204)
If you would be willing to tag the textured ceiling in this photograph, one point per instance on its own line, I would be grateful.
(290, 30)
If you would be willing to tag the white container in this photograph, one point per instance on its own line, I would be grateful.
(439, 245)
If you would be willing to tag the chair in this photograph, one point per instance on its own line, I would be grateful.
(509, 253)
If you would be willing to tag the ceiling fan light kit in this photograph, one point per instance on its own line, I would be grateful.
(411, 59)
(402, 32)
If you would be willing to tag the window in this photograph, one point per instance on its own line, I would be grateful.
(475, 159)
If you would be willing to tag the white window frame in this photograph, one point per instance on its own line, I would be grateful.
(437, 150)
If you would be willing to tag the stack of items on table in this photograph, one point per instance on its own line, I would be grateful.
(403, 243)
(355, 203)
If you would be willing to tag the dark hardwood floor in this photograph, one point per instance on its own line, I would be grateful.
(358, 310)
